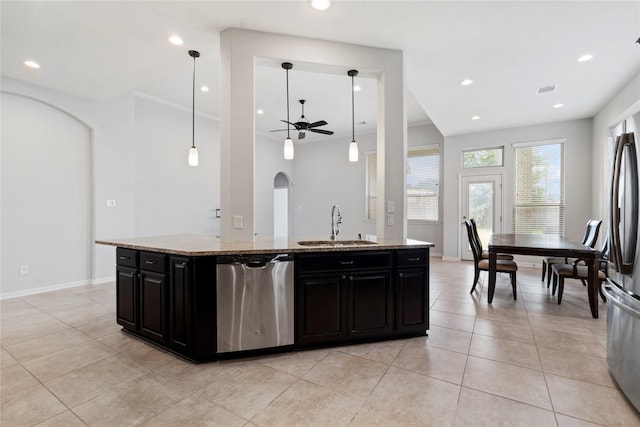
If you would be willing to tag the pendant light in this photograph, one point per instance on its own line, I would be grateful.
(288, 143)
(353, 146)
(193, 151)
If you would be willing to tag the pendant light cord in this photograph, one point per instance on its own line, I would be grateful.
(193, 106)
(353, 114)
(288, 124)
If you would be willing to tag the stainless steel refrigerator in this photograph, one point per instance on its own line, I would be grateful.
(623, 286)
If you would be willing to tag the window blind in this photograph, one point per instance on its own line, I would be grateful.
(538, 189)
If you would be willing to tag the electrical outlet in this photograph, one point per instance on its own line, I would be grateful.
(391, 219)
(238, 222)
(24, 270)
(111, 203)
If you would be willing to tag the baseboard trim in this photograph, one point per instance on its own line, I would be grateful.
(60, 286)
(451, 258)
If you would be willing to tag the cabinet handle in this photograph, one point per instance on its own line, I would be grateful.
(413, 259)
(124, 257)
(344, 276)
(346, 262)
(183, 264)
(400, 275)
(151, 262)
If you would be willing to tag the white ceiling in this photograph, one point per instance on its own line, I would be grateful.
(100, 49)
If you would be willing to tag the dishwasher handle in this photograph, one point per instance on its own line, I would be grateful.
(611, 293)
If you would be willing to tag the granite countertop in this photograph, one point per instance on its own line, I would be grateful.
(198, 245)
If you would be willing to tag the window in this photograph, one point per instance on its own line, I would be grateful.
(538, 188)
(486, 157)
(423, 183)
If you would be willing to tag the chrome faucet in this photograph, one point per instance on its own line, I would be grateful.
(336, 220)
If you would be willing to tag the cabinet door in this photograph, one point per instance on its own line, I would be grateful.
(180, 307)
(412, 301)
(370, 304)
(320, 309)
(153, 307)
(127, 297)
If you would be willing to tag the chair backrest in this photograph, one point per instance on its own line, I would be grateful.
(591, 233)
(475, 246)
(474, 227)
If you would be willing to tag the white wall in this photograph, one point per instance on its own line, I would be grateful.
(111, 125)
(269, 160)
(578, 173)
(46, 196)
(172, 197)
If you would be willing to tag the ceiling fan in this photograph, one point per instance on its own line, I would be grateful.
(303, 125)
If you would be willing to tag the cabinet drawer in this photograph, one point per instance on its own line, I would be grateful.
(152, 261)
(412, 257)
(343, 261)
(127, 257)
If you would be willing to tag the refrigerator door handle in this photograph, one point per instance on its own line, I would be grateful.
(611, 294)
(623, 262)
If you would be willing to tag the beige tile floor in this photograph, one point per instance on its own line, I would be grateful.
(525, 362)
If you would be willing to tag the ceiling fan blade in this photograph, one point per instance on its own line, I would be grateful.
(322, 131)
(295, 125)
(301, 135)
(316, 124)
(278, 130)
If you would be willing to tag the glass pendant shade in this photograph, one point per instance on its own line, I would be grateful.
(288, 149)
(353, 151)
(193, 156)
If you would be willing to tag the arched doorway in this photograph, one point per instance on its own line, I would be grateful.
(281, 205)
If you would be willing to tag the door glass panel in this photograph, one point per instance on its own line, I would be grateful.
(480, 202)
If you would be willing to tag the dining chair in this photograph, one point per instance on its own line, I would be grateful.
(579, 270)
(590, 238)
(484, 252)
(482, 264)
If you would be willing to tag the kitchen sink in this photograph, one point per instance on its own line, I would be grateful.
(336, 243)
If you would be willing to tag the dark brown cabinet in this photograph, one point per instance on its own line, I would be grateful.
(343, 296)
(340, 297)
(412, 290)
(142, 293)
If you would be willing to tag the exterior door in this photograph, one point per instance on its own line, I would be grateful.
(481, 200)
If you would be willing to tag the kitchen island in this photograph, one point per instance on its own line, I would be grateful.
(169, 292)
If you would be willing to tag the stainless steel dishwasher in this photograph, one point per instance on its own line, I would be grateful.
(254, 302)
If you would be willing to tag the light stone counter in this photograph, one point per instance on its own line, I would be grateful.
(198, 245)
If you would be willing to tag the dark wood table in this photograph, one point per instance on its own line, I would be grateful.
(544, 245)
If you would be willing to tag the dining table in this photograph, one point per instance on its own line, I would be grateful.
(545, 245)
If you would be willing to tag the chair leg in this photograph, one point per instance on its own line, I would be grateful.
(513, 284)
(549, 275)
(555, 284)
(544, 270)
(560, 288)
(476, 275)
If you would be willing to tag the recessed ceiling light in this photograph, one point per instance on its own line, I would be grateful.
(475, 118)
(260, 111)
(585, 57)
(356, 88)
(205, 88)
(177, 40)
(320, 4)
(32, 64)
(466, 82)
(558, 105)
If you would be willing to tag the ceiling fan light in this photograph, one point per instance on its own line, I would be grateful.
(353, 151)
(320, 4)
(193, 156)
(288, 149)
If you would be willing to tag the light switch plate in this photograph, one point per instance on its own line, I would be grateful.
(391, 219)
(238, 222)
(391, 206)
